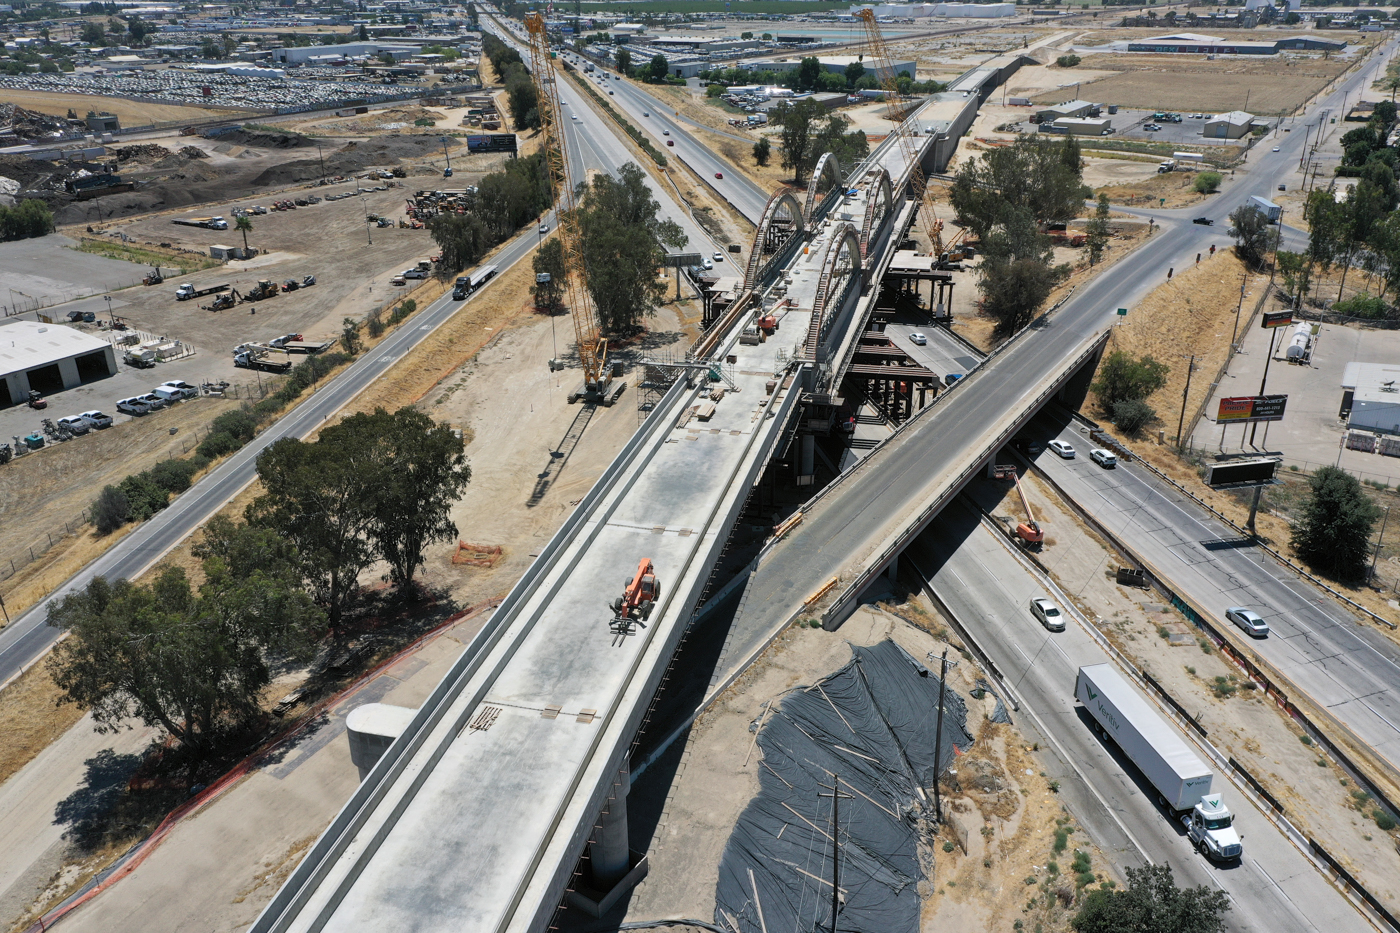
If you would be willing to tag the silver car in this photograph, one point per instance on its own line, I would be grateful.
(153, 402)
(1248, 620)
(133, 406)
(1048, 613)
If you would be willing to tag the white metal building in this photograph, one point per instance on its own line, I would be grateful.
(1371, 395)
(1230, 125)
(49, 358)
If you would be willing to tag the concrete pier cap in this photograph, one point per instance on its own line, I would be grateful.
(372, 728)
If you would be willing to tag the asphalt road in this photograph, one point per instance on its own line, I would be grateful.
(878, 498)
(1352, 670)
(27, 638)
(1273, 887)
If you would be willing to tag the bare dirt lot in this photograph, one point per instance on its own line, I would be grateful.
(131, 112)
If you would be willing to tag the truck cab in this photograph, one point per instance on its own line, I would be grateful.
(462, 288)
(1210, 826)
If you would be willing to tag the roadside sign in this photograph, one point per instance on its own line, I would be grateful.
(1251, 408)
(1277, 319)
(1242, 473)
(1122, 312)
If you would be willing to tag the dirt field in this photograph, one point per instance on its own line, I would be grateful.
(1242, 723)
(1176, 187)
(1190, 83)
(132, 113)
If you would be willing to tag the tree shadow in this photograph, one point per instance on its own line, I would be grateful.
(86, 812)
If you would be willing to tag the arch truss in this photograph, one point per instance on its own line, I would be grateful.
(840, 270)
(824, 189)
(779, 231)
(879, 202)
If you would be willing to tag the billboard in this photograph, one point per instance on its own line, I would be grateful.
(1277, 319)
(491, 142)
(1251, 408)
(1260, 472)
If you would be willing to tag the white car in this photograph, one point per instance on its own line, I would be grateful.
(708, 263)
(75, 424)
(1103, 458)
(544, 228)
(414, 274)
(1048, 613)
(179, 385)
(1248, 620)
(132, 406)
(718, 256)
(668, 133)
(918, 338)
(1276, 149)
(1066, 451)
(96, 419)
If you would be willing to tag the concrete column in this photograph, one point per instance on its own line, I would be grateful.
(372, 728)
(68, 372)
(611, 855)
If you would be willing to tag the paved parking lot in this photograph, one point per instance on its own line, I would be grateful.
(1129, 123)
(44, 271)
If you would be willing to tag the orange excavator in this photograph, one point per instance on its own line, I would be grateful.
(1027, 531)
(640, 594)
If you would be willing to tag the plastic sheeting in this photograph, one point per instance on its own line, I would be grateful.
(872, 725)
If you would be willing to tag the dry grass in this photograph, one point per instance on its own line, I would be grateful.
(131, 112)
(33, 719)
(1176, 187)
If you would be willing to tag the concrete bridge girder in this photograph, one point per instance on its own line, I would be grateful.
(781, 213)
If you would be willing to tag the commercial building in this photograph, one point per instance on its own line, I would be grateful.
(49, 358)
(1230, 125)
(301, 55)
(1067, 111)
(1371, 397)
(1190, 43)
(1079, 126)
(833, 63)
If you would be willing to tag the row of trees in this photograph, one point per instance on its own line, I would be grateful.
(1006, 197)
(807, 131)
(29, 218)
(521, 96)
(504, 202)
(809, 75)
(624, 241)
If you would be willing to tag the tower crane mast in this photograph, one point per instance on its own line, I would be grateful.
(901, 128)
(592, 348)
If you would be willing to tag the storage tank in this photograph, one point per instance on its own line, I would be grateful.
(1300, 346)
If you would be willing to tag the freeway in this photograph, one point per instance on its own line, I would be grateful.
(1352, 670)
(986, 588)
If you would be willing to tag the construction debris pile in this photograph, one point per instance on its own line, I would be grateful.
(18, 124)
(425, 205)
(869, 730)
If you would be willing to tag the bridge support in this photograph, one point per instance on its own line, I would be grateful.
(371, 729)
(616, 868)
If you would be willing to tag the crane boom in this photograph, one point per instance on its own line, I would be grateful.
(592, 348)
(900, 126)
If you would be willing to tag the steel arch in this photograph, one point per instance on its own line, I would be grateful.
(826, 165)
(845, 241)
(781, 221)
(878, 190)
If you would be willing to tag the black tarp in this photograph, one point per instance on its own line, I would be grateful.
(871, 724)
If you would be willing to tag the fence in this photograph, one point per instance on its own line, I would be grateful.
(26, 554)
(20, 303)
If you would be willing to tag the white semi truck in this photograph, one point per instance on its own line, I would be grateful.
(1181, 779)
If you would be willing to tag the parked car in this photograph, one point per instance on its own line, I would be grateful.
(1065, 450)
(1103, 458)
(75, 424)
(153, 402)
(414, 274)
(1048, 614)
(184, 388)
(96, 419)
(1248, 620)
(132, 406)
(918, 338)
(1204, 221)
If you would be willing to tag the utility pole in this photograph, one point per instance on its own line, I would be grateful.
(323, 162)
(938, 735)
(835, 795)
(1244, 278)
(1379, 540)
(1181, 422)
(1273, 332)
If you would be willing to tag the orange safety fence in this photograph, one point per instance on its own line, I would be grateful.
(477, 555)
(235, 774)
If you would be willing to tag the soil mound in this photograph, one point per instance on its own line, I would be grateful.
(265, 139)
(144, 153)
(354, 158)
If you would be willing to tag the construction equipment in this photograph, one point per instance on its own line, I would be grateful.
(222, 302)
(153, 277)
(639, 596)
(264, 289)
(187, 291)
(903, 130)
(1027, 531)
(592, 348)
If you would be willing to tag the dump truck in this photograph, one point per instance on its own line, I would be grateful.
(186, 291)
(1181, 779)
(266, 359)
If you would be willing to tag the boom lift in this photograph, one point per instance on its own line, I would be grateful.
(592, 348)
(901, 128)
(1028, 531)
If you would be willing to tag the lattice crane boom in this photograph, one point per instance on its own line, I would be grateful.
(901, 128)
(592, 348)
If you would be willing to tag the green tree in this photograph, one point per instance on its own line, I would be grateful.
(1016, 276)
(1151, 901)
(139, 29)
(659, 69)
(549, 260)
(1067, 61)
(1132, 415)
(1098, 231)
(807, 74)
(191, 662)
(350, 335)
(854, 72)
(30, 218)
(624, 62)
(110, 511)
(1207, 182)
(762, 150)
(1333, 534)
(1123, 378)
(243, 223)
(426, 471)
(93, 34)
(1250, 228)
(799, 125)
(1296, 271)
(1032, 173)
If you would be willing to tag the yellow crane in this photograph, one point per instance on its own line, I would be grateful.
(902, 129)
(592, 348)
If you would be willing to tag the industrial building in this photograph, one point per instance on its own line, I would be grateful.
(1079, 126)
(1067, 111)
(303, 55)
(968, 10)
(1371, 397)
(49, 358)
(1191, 43)
(833, 63)
(1230, 125)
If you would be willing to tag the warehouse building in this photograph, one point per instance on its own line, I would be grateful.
(1371, 397)
(303, 54)
(1067, 111)
(1191, 43)
(1230, 125)
(1079, 126)
(49, 358)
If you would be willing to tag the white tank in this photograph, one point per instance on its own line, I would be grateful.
(1302, 340)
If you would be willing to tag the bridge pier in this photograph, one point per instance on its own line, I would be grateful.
(372, 728)
(616, 869)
